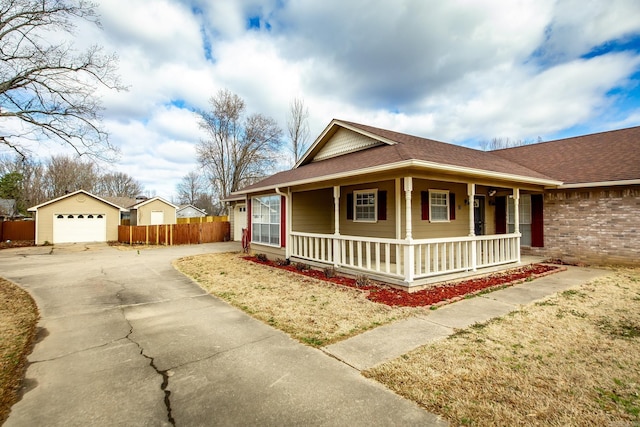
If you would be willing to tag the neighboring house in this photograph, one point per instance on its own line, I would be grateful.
(408, 210)
(8, 209)
(152, 211)
(76, 217)
(190, 211)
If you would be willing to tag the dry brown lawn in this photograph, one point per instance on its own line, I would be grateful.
(570, 360)
(18, 317)
(315, 312)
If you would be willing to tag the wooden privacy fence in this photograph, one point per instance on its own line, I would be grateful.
(175, 234)
(201, 219)
(17, 230)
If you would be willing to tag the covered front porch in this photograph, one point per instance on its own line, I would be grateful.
(410, 258)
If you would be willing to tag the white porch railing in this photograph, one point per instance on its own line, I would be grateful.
(407, 260)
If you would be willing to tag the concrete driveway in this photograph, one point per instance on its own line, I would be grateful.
(124, 339)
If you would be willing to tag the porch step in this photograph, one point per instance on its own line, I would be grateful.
(387, 342)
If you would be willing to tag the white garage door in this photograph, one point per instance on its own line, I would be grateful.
(72, 228)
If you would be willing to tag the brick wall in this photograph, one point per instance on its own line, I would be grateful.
(592, 226)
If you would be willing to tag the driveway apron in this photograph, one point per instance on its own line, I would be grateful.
(125, 339)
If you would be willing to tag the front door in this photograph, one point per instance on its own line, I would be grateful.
(239, 221)
(478, 215)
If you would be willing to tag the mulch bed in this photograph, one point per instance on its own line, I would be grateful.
(439, 294)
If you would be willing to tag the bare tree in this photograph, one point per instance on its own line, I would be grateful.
(190, 188)
(118, 184)
(67, 174)
(498, 143)
(47, 88)
(238, 150)
(298, 128)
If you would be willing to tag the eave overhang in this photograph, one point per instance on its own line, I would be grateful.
(419, 164)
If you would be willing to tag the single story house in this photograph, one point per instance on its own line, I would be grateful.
(408, 210)
(76, 217)
(190, 211)
(152, 211)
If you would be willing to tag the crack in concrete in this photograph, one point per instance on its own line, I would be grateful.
(211, 356)
(165, 376)
(93, 347)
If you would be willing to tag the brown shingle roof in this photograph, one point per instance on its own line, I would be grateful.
(600, 157)
(123, 202)
(406, 147)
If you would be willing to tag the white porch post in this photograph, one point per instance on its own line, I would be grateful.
(516, 219)
(336, 227)
(398, 210)
(289, 224)
(409, 256)
(471, 194)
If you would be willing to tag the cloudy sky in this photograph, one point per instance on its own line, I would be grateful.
(458, 70)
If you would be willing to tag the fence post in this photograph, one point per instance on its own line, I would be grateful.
(130, 235)
(146, 230)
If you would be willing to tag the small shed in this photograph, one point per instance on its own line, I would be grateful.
(76, 217)
(153, 211)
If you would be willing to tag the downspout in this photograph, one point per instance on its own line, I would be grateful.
(287, 233)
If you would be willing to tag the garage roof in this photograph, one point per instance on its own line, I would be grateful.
(35, 208)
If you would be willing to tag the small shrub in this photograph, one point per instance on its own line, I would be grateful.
(362, 280)
(282, 262)
(301, 266)
(261, 257)
(329, 272)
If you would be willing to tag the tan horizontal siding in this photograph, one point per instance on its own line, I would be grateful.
(313, 211)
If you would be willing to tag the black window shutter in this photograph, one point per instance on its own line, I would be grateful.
(382, 205)
(452, 206)
(424, 205)
(350, 206)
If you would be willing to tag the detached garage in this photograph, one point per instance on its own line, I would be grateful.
(76, 217)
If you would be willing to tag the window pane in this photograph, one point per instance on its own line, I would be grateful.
(275, 234)
(439, 206)
(524, 209)
(255, 232)
(266, 220)
(365, 206)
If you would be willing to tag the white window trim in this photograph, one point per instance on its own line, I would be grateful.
(446, 193)
(375, 205)
(253, 204)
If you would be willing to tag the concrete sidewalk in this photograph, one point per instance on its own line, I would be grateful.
(390, 341)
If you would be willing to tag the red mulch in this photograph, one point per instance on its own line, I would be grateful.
(439, 294)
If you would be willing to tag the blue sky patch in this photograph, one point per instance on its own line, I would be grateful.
(631, 43)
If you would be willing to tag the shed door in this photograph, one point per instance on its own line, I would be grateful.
(74, 228)
(157, 217)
